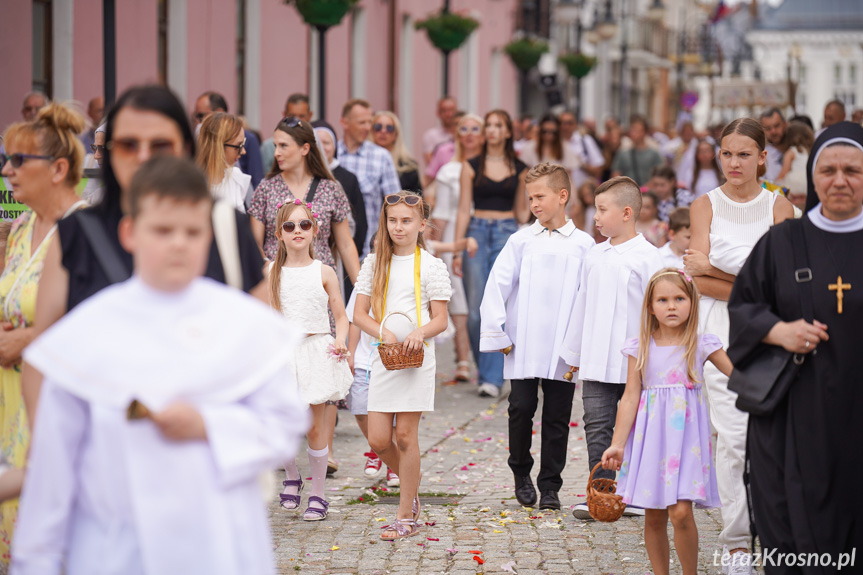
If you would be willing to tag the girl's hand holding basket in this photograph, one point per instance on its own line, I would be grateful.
(387, 336)
(612, 458)
(414, 341)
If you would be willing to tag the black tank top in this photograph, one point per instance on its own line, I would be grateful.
(496, 196)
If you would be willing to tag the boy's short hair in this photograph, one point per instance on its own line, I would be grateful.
(625, 191)
(167, 177)
(557, 177)
(678, 219)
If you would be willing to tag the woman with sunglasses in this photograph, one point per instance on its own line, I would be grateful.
(447, 186)
(387, 133)
(301, 173)
(44, 165)
(145, 121)
(493, 185)
(221, 142)
(550, 147)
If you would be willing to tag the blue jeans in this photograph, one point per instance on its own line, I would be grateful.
(491, 236)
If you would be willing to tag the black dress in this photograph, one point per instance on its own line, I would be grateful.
(351, 186)
(806, 467)
(410, 181)
(86, 276)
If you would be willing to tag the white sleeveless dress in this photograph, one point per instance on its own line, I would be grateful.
(734, 230)
(305, 303)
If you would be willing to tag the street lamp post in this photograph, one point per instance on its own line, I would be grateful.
(624, 48)
(109, 47)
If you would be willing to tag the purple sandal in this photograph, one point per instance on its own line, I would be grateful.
(400, 529)
(316, 513)
(288, 501)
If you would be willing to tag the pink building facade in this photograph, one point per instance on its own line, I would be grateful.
(256, 53)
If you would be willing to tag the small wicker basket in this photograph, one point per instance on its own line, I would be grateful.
(603, 502)
(393, 355)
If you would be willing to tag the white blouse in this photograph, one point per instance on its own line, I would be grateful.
(435, 286)
(234, 188)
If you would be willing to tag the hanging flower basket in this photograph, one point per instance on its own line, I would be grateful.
(577, 64)
(448, 30)
(525, 52)
(323, 12)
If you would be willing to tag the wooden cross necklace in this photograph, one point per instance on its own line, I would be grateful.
(839, 287)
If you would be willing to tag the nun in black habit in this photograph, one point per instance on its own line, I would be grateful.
(806, 456)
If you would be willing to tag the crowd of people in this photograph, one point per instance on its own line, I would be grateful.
(548, 253)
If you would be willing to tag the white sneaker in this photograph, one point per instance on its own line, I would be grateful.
(489, 390)
(580, 511)
(741, 564)
(633, 511)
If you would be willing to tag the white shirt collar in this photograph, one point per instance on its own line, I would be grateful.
(565, 230)
(854, 224)
(625, 246)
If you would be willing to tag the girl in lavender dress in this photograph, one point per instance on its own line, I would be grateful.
(661, 443)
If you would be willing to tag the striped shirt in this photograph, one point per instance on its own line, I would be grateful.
(374, 168)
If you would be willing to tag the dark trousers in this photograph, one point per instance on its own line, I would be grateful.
(600, 413)
(556, 411)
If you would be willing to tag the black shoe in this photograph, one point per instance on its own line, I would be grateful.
(524, 491)
(549, 500)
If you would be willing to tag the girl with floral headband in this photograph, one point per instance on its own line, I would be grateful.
(661, 444)
(302, 288)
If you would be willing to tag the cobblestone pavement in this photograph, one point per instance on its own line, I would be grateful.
(473, 523)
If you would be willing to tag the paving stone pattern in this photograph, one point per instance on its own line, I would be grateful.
(469, 507)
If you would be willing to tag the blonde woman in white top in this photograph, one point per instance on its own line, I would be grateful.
(468, 143)
(726, 223)
(221, 142)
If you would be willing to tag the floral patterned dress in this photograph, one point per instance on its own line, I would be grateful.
(330, 202)
(18, 286)
(668, 456)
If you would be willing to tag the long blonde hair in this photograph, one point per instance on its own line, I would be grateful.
(384, 253)
(217, 130)
(649, 323)
(282, 216)
(401, 157)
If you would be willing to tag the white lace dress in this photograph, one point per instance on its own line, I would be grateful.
(406, 389)
(305, 303)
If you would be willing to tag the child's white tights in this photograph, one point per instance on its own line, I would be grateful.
(318, 465)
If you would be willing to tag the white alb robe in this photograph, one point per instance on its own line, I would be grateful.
(608, 307)
(104, 495)
(529, 298)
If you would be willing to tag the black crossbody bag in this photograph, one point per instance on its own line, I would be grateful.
(763, 381)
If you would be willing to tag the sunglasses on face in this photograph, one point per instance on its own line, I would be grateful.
(465, 130)
(305, 225)
(410, 200)
(97, 149)
(291, 122)
(389, 129)
(199, 116)
(131, 146)
(17, 159)
(237, 147)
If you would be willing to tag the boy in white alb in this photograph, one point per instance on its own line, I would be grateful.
(607, 313)
(678, 239)
(173, 487)
(526, 306)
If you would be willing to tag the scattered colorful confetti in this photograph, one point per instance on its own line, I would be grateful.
(478, 559)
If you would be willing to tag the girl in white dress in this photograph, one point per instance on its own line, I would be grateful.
(726, 223)
(302, 288)
(402, 277)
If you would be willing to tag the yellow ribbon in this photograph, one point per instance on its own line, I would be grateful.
(417, 287)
